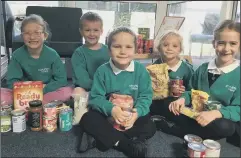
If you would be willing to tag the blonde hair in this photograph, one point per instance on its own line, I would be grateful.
(169, 33)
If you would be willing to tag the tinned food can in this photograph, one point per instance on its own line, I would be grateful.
(8, 108)
(191, 138)
(213, 148)
(196, 150)
(5, 122)
(18, 120)
(65, 119)
(50, 117)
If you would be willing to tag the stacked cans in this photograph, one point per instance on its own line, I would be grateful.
(195, 147)
(65, 119)
(50, 117)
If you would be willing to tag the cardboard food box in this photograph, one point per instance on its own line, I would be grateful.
(23, 92)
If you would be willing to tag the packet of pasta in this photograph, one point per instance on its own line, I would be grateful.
(160, 80)
(199, 98)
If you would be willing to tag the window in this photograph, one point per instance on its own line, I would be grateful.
(122, 14)
(19, 7)
(237, 17)
(201, 17)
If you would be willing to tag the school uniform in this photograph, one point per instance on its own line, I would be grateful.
(182, 70)
(223, 85)
(134, 81)
(85, 61)
(48, 68)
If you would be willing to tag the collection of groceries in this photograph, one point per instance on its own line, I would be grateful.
(28, 110)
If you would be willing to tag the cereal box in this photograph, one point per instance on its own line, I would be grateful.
(23, 92)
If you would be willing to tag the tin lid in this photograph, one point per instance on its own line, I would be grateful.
(17, 112)
(50, 105)
(58, 102)
(211, 144)
(4, 113)
(35, 103)
(197, 146)
(192, 138)
(6, 106)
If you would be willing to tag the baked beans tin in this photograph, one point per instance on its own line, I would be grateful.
(5, 122)
(18, 120)
(213, 148)
(196, 150)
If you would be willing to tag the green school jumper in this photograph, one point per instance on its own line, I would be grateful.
(84, 64)
(137, 84)
(226, 89)
(47, 68)
(184, 72)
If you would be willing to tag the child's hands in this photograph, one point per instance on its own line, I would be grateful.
(176, 106)
(176, 89)
(205, 117)
(129, 123)
(119, 115)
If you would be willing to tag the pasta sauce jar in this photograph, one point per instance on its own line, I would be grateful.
(36, 115)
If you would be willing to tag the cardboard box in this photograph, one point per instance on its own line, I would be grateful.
(23, 92)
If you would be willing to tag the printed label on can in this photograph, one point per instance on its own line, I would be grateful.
(19, 123)
(5, 123)
(65, 119)
(50, 125)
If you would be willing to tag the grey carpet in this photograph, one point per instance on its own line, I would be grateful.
(63, 144)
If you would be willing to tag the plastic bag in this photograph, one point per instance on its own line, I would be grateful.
(80, 106)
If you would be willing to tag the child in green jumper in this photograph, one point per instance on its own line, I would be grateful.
(35, 61)
(86, 59)
(124, 76)
(220, 78)
(170, 46)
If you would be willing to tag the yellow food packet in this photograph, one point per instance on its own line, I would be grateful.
(189, 112)
(198, 100)
(160, 79)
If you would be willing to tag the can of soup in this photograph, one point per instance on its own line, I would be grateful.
(190, 138)
(18, 120)
(196, 150)
(5, 122)
(213, 148)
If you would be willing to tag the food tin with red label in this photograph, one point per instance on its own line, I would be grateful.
(196, 150)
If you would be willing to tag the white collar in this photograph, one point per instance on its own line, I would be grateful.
(212, 67)
(116, 70)
(176, 67)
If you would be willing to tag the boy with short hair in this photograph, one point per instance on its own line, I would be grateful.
(88, 57)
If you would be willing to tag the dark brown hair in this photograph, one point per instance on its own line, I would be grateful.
(226, 24)
(119, 30)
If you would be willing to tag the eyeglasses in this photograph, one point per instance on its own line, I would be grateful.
(34, 34)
